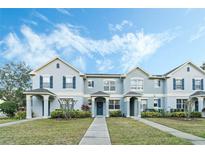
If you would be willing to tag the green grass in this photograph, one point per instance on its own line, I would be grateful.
(46, 131)
(130, 131)
(194, 126)
(5, 120)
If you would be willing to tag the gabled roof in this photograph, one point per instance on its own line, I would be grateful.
(198, 93)
(100, 93)
(139, 69)
(132, 94)
(39, 91)
(55, 58)
(182, 65)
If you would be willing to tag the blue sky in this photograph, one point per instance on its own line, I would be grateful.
(104, 40)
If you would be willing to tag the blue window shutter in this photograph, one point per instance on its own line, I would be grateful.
(64, 82)
(74, 82)
(193, 84)
(182, 84)
(41, 82)
(174, 84)
(202, 84)
(51, 81)
(92, 83)
(159, 102)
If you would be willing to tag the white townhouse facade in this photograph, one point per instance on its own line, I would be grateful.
(132, 93)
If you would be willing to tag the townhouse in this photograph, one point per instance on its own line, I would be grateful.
(132, 93)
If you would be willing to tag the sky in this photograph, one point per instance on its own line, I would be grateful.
(104, 40)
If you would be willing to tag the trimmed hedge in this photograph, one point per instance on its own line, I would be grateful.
(59, 113)
(117, 113)
(169, 114)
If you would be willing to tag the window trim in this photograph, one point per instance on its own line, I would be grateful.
(179, 78)
(137, 78)
(109, 85)
(46, 75)
(197, 78)
(68, 76)
(91, 83)
(114, 102)
(158, 85)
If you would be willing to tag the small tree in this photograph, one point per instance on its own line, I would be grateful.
(67, 104)
(8, 108)
(203, 66)
(188, 109)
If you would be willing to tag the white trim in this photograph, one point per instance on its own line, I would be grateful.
(91, 84)
(109, 85)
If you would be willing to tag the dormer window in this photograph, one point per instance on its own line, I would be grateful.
(188, 69)
(57, 65)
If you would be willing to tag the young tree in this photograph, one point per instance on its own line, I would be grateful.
(203, 66)
(14, 79)
(189, 104)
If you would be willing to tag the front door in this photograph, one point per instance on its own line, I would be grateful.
(196, 106)
(99, 108)
(132, 108)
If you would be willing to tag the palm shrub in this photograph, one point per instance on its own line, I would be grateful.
(20, 115)
(117, 113)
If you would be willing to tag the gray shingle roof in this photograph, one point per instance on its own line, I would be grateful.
(100, 93)
(132, 93)
(198, 93)
(39, 90)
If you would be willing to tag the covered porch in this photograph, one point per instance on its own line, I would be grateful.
(100, 104)
(133, 104)
(198, 101)
(44, 97)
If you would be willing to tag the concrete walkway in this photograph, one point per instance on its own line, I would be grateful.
(97, 133)
(18, 122)
(192, 138)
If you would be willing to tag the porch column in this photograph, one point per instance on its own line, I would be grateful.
(107, 107)
(200, 101)
(45, 101)
(128, 106)
(138, 107)
(93, 107)
(28, 107)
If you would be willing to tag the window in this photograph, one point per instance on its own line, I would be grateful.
(114, 105)
(181, 103)
(46, 81)
(197, 84)
(157, 103)
(57, 65)
(68, 82)
(188, 69)
(157, 83)
(179, 84)
(136, 84)
(90, 84)
(109, 85)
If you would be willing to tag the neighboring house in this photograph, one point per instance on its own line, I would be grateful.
(131, 93)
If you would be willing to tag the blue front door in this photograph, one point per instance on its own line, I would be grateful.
(99, 108)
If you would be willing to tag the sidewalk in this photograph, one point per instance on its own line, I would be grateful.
(18, 122)
(97, 133)
(192, 138)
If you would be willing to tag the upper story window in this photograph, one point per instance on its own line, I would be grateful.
(114, 104)
(90, 84)
(109, 85)
(157, 83)
(157, 103)
(188, 69)
(197, 84)
(46, 81)
(69, 82)
(57, 65)
(178, 84)
(136, 84)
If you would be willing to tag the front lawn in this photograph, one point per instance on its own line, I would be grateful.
(130, 131)
(46, 131)
(194, 126)
(5, 120)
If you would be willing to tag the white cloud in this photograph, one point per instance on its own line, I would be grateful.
(79, 63)
(121, 26)
(199, 33)
(41, 16)
(29, 22)
(36, 48)
(104, 65)
(64, 11)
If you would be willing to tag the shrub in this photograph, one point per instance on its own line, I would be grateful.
(150, 114)
(20, 115)
(8, 108)
(58, 113)
(85, 107)
(178, 114)
(196, 114)
(150, 110)
(117, 113)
